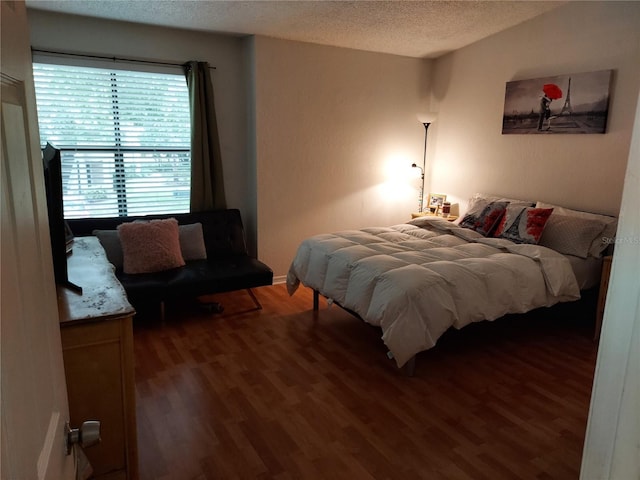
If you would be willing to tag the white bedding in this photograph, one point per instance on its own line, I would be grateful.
(417, 280)
(587, 270)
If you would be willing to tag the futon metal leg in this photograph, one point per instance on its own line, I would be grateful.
(213, 307)
(216, 307)
(316, 299)
(255, 300)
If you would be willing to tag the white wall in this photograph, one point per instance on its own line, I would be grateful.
(579, 171)
(612, 444)
(337, 133)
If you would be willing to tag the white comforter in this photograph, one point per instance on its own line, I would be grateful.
(418, 279)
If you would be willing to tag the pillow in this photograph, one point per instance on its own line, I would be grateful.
(571, 235)
(191, 238)
(600, 243)
(481, 200)
(150, 246)
(486, 220)
(473, 214)
(523, 224)
(110, 241)
(192, 242)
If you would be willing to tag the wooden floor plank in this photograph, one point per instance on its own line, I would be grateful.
(289, 393)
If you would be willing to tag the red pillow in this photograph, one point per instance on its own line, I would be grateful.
(523, 224)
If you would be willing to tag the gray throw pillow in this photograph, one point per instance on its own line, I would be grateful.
(192, 242)
(110, 241)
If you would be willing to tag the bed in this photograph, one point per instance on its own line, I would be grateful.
(416, 280)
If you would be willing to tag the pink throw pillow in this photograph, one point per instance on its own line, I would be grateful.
(150, 247)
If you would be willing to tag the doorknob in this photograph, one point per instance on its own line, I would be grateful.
(86, 436)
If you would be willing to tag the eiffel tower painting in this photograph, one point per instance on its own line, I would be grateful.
(567, 101)
(575, 103)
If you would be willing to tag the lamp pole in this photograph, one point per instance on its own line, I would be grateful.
(420, 199)
(424, 163)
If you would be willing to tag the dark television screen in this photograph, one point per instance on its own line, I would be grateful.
(58, 230)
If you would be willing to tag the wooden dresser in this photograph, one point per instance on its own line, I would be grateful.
(97, 344)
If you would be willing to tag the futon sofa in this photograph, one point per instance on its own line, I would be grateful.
(227, 267)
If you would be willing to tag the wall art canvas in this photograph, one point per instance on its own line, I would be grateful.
(574, 103)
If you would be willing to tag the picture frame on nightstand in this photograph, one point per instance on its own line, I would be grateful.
(437, 200)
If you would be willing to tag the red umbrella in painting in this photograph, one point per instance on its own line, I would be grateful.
(552, 91)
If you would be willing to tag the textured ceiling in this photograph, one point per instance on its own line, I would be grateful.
(410, 28)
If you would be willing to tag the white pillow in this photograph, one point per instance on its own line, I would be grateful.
(481, 200)
(602, 241)
(571, 235)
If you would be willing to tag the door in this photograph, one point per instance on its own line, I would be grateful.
(33, 396)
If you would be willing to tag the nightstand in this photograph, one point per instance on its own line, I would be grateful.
(450, 218)
(602, 294)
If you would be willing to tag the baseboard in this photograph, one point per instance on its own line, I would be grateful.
(279, 279)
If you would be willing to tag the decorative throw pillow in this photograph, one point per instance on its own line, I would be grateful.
(110, 241)
(571, 235)
(192, 242)
(523, 224)
(485, 221)
(600, 243)
(473, 214)
(150, 246)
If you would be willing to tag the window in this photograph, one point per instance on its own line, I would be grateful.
(124, 137)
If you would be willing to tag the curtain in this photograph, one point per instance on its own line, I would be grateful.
(207, 186)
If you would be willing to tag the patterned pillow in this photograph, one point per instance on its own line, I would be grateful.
(473, 214)
(571, 235)
(523, 224)
(484, 221)
(150, 247)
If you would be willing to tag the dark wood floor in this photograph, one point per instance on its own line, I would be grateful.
(284, 393)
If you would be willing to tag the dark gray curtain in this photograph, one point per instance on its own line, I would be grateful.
(207, 187)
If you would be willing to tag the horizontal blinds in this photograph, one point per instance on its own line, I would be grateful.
(108, 184)
(124, 138)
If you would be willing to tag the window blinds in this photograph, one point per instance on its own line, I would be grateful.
(124, 137)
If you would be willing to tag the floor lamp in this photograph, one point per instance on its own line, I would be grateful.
(421, 197)
(424, 165)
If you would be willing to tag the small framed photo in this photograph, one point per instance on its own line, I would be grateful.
(437, 199)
